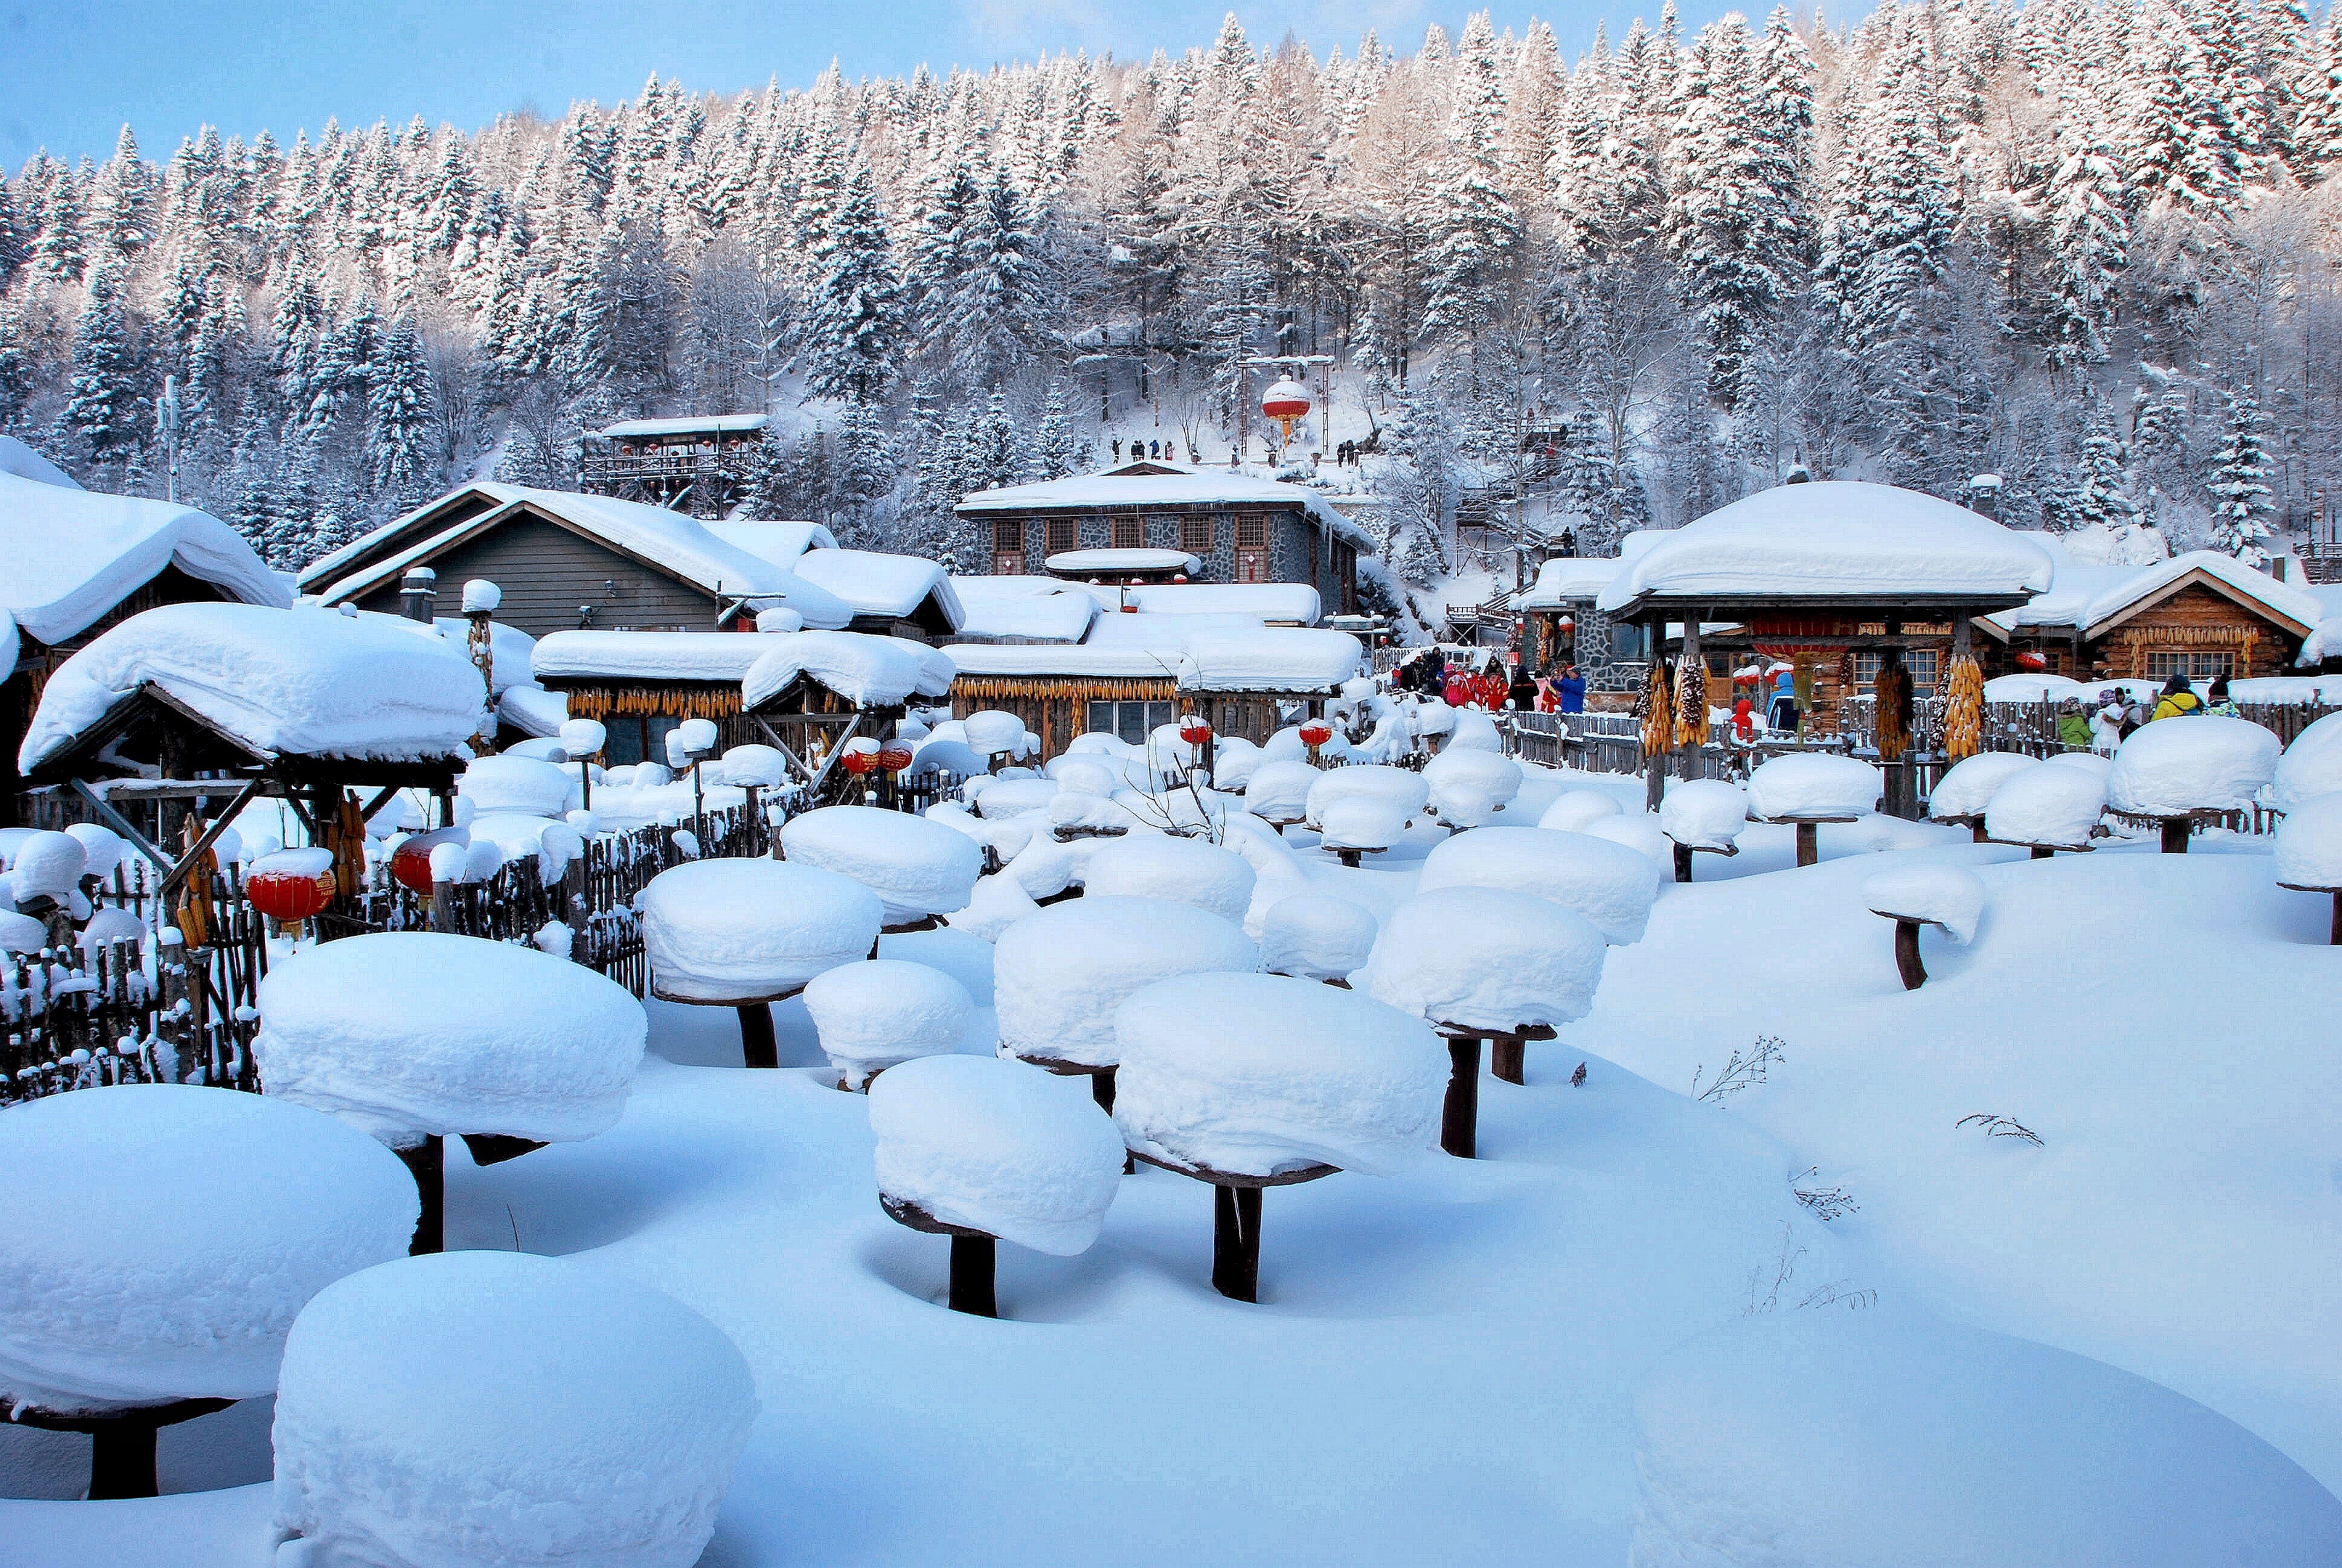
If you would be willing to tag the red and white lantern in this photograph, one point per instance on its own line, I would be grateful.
(292, 886)
(1287, 402)
(1315, 733)
(1194, 730)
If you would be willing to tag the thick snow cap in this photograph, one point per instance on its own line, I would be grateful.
(2050, 805)
(1837, 538)
(1468, 787)
(131, 1283)
(408, 1033)
(1813, 786)
(513, 783)
(868, 672)
(1485, 958)
(2311, 765)
(1950, 895)
(2194, 763)
(1061, 972)
(1608, 884)
(997, 1146)
(1279, 791)
(881, 1011)
(1969, 785)
(476, 1407)
(1641, 834)
(303, 681)
(1321, 935)
(1573, 811)
(917, 867)
(1258, 1074)
(2310, 843)
(1706, 814)
(1180, 870)
(1272, 659)
(748, 929)
(1405, 792)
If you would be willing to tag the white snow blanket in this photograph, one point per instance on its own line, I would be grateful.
(1405, 792)
(1013, 797)
(716, 657)
(409, 1034)
(1279, 791)
(1258, 1074)
(875, 584)
(1362, 821)
(1180, 870)
(21, 933)
(1813, 786)
(868, 672)
(991, 731)
(2036, 689)
(1233, 758)
(1950, 895)
(762, 766)
(998, 902)
(1468, 787)
(1795, 1438)
(130, 1282)
(744, 930)
(1085, 775)
(1485, 958)
(48, 866)
(2047, 806)
(476, 1407)
(1321, 935)
(1640, 832)
(2095, 763)
(513, 835)
(74, 555)
(1969, 785)
(1608, 884)
(303, 681)
(22, 461)
(1025, 609)
(1062, 971)
(998, 1146)
(1836, 537)
(2196, 763)
(1272, 659)
(2311, 765)
(2310, 843)
(516, 783)
(917, 867)
(1706, 814)
(1573, 810)
(873, 1014)
(967, 959)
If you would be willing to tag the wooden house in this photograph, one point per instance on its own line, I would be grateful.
(701, 464)
(2201, 614)
(1159, 522)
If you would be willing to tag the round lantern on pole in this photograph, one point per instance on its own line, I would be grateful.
(291, 885)
(893, 757)
(2031, 661)
(1194, 730)
(1286, 402)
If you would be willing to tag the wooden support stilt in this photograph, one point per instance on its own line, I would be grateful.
(1102, 1091)
(1507, 1059)
(1235, 1241)
(758, 1047)
(1459, 1117)
(428, 1161)
(972, 1259)
(2336, 939)
(1907, 954)
(1683, 862)
(2175, 835)
(121, 1459)
(1809, 843)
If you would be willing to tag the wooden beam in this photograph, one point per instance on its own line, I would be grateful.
(211, 836)
(121, 824)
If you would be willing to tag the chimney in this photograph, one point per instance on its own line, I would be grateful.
(418, 593)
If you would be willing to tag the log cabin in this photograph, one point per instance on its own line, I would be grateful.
(2201, 614)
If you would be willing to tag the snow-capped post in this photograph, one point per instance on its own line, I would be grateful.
(1360, 811)
(1947, 897)
(418, 593)
(754, 769)
(747, 933)
(1342, 1083)
(688, 744)
(2310, 851)
(197, 1293)
(1964, 791)
(982, 1149)
(1197, 731)
(583, 740)
(2177, 773)
(882, 1011)
(1703, 814)
(2047, 807)
(1807, 790)
(481, 598)
(919, 870)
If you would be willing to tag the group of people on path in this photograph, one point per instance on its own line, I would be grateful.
(1464, 683)
(2115, 717)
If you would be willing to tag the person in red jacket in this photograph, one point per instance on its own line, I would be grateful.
(1744, 720)
(1494, 688)
(1459, 687)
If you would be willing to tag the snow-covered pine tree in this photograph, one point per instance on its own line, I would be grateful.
(402, 420)
(1055, 449)
(2238, 480)
(103, 411)
(854, 311)
(1478, 230)
(2088, 234)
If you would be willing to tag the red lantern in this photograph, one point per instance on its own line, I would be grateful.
(893, 758)
(1315, 733)
(1178, 576)
(2033, 661)
(410, 862)
(1565, 625)
(292, 887)
(859, 762)
(1287, 402)
(1194, 731)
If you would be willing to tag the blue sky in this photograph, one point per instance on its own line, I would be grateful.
(72, 73)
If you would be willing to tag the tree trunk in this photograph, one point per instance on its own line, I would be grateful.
(1236, 1241)
(1907, 954)
(972, 1259)
(1459, 1118)
(757, 1048)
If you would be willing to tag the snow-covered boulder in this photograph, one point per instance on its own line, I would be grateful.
(749, 929)
(1319, 936)
(1181, 870)
(515, 784)
(2311, 765)
(1969, 785)
(130, 1281)
(917, 867)
(1402, 791)
(1705, 814)
(997, 1146)
(412, 1034)
(1468, 787)
(1061, 972)
(875, 1014)
(1813, 786)
(1607, 882)
(2309, 843)
(2047, 806)
(2199, 762)
(1884, 1437)
(1260, 1075)
(1485, 958)
(1279, 791)
(478, 1407)
(1948, 895)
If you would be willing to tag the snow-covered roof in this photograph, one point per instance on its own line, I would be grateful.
(781, 543)
(1083, 563)
(22, 461)
(882, 585)
(663, 540)
(1094, 660)
(1844, 540)
(2091, 596)
(1135, 628)
(690, 425)
(1023, 609)
(71, 554)
(716, 656)
(1272, 659)
(1569, 580)
(1290, 602)
(1160, 483)
(866, 671)
(303, 681)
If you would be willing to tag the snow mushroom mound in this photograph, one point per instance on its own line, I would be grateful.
(1319, 934)
(2198, 762)
(997, 1146)
(748, 930)
(1059, 974)
(1181, 870)
(469, 1408)
(917, 867)
(2310, 843)
(410, 1033)
(523, 784)
(882, 1010)
(1468, 787)
(2311, 765)
(1706, 814)
(1967, 786)
(1279, 791)
(1813, 786)
(132, 1281)
(1400, 792)
(1946, 895)
(1573, 811)
(1607, 882)
(2044, 804)
(1257, 1075)
(1484, 957)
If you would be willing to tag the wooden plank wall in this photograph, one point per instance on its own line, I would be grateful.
(547, 573)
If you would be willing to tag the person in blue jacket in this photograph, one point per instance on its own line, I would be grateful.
(1783, 713)
(1572, 687)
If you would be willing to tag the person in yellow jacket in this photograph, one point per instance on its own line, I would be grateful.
(2179, 699)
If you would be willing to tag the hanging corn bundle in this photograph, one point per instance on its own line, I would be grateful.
(194, 914)
(1691, 702)
(346, 836)
(1655, 710)
(1963, 709)
(1891, 691)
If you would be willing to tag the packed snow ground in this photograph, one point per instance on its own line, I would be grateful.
(1447, 1362)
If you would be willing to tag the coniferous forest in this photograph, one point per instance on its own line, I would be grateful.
(2087, 246)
